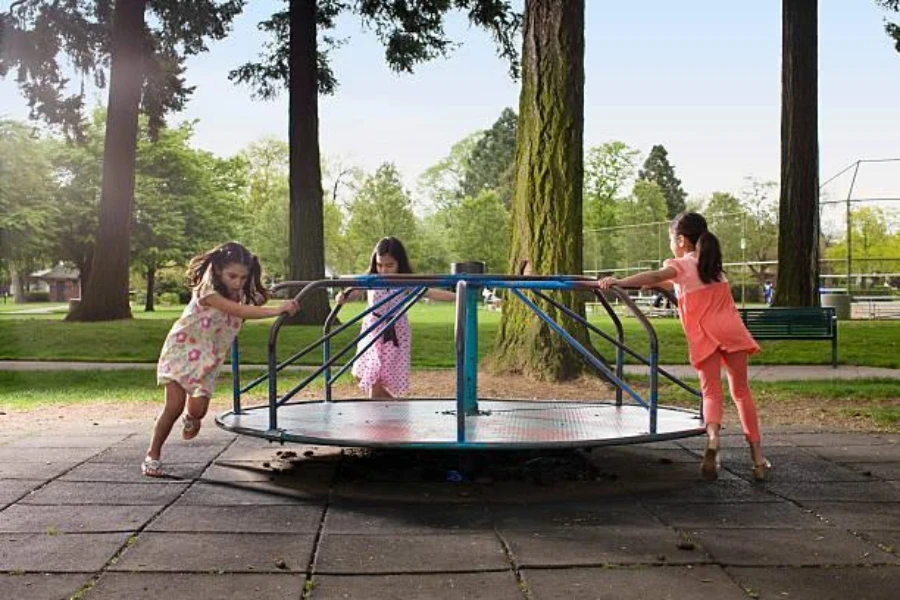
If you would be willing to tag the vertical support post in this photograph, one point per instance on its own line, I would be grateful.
(460, 341)
(467, 295)
(850, 232)
(326, 356)
(235, 377)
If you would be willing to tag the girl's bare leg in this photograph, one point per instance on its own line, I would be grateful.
(379, 392)
(196, 410)
(175, 400)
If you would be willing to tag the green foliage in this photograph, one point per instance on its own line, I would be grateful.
(442, 183)
(412, 33)
(26, 193)
(892, 29)
(608, 170)
(479, 230)
(492, 161)
(871, 238)
(657, 168)
(36, 37)
(381, 208)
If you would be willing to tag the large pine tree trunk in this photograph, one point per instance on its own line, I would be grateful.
(546, 207)
(307, 260)
(105, 297)
(798, 227)
(149, 304)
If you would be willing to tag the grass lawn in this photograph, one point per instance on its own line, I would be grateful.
(49, 337)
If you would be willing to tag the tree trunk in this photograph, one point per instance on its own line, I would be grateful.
(547, 204)
(798, 225)
(151, 287)
(307, 239)
(105, 296)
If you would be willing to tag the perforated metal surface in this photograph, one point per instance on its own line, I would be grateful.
(431, 423)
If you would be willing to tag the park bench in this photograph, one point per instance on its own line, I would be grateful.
(801, 323)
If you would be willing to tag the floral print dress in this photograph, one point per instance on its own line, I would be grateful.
(197, 345)
(388, 359)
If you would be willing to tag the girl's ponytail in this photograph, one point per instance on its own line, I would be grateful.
(709, 257)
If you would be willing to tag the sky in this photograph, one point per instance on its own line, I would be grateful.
(700, 77)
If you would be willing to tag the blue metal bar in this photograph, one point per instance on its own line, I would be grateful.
(460, 341)
(597, 364)
(236, 377)
(394, 312)
(312, 346)
(621, 348)
(471, 349)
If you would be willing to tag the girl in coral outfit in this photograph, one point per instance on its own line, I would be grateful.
(715, 334)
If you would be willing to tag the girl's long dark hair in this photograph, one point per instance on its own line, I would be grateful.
(693, 227)
(217, 259)
(394, 247)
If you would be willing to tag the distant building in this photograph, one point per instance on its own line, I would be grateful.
(61, 282)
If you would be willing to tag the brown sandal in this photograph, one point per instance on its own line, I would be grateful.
(761, 470)
(710, 466)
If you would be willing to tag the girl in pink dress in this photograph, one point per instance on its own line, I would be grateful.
(383, 369)
(227, 289)
(715, 334)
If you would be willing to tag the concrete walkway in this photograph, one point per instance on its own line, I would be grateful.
(758, 372)
(242, 519)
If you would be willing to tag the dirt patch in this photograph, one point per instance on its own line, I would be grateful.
(809, 413)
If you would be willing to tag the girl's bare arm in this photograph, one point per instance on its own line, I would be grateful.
(248, 311)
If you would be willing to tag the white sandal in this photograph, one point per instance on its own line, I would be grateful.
(152, 467)
(190, 427)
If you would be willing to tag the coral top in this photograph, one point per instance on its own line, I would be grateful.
(709, 317)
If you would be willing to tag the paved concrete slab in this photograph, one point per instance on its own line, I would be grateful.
(176, 451)
(860, 515)
(798, 466)
(17, 469)
(860, 453)
(788, 547)
(536, 517)
(833, 439)
(214, 552)
(386, 554)
(839, 491)
(459, 586)
(46, 455)
(62, 553)
(131, 472)
(13, 489)
(246, 493)
(402, 519)
(889, 471)
(887, 540)
(700, 492)
(74, 492)
(67, 441)
(75, 519)
(860, 583)
(41, 586)
(297, 518)
(763, 515)
(662, 583)
(598, 546)
(225, 586)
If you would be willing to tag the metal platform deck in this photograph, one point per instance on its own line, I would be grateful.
(432, 423)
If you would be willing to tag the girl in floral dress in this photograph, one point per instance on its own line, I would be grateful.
(383, 369)
(227, 289)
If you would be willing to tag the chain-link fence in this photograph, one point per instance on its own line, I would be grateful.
(863, 199)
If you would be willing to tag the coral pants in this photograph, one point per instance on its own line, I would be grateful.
(713, 395)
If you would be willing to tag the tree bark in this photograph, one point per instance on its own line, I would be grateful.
(151, 286)
(307, 259)
(105, 296)
(798, 225)
(547, 204)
